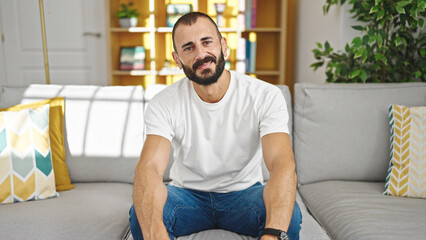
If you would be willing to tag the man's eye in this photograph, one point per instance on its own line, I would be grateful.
(207, 42)
(187, 49)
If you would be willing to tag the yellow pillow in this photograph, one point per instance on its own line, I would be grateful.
(406, 175)
(56, 134)
(25, 156)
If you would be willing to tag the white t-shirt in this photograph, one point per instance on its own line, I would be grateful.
(217, 146)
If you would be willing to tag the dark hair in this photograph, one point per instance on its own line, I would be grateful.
(189, 19)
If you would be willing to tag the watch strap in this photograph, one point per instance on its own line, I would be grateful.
(273, 232)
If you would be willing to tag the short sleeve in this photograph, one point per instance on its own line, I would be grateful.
(158, 120)
(274, 115)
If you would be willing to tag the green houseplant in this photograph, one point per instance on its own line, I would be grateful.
(127, 15)
(392, 47)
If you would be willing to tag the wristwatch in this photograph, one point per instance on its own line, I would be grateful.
(281, 235)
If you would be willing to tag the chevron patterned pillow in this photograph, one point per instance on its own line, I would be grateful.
(26, 171)
(407, 169)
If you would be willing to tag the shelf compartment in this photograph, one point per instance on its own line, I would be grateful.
(265, 73)
(133, 29)
(134, 72)
(263, 29)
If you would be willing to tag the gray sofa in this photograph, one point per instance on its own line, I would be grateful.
(340, 140)
(342, 153)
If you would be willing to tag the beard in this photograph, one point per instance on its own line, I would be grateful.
(208, 80)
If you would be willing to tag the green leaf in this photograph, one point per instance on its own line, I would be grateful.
(372, 39)
(357, 42)
(364, 56)
(374, 9)
(377, 2)
(423, 52)
(422, 6)
(380, 57)
(380, 14)
(398, 41)
(319, 45)
(421, 22)
(400, 10)
(418, 74)
(347, 48)
(379, 40)
(327, 46)
(316, 65)
(359, 53)
(358, 27)
(403, 3)
(354, 73)
(363, 76)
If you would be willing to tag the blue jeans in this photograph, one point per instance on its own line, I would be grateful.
(190, 211)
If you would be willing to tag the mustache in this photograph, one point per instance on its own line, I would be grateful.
(202, 61)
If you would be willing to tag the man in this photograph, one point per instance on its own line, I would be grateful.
(221, 125)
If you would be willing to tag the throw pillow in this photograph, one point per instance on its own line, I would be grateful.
(407, 169)
(26, 169)
(56, 134)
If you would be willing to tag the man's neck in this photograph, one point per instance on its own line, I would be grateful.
(214, 93)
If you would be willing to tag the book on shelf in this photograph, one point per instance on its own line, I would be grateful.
(250, 49)
(248, 14)
(132, 58)
(251, 13)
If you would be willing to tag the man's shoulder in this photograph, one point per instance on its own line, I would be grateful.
(173, 92)
(253, 85)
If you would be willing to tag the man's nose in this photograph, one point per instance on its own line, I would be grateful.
(201, 52)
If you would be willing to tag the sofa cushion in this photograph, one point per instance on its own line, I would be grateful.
(90, 211)
(358, 210)
(407, 169)
(103, 127)
(26, 169)
(341, 131)
(56, 135)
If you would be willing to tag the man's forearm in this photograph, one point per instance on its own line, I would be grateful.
(149, 198)
(279, 196)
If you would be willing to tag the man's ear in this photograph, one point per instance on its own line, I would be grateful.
(177, 61)
(224, 44)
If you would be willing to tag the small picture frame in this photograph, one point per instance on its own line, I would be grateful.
(132, 58)
(175, 11)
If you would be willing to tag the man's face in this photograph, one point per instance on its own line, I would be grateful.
(199, 51)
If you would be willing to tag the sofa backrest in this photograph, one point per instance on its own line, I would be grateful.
(152, 90)
(103, 127)
(341, 131)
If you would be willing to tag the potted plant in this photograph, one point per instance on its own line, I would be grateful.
(128, 16)
(392, 47)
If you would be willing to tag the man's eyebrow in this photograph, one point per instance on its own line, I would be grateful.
(187, 44)
(206, 38)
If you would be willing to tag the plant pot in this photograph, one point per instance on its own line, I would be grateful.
(128, 22)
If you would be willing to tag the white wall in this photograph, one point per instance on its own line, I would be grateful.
(313, 26)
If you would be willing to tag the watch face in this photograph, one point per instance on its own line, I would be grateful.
(283, 236)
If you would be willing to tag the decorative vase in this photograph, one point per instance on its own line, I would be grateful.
(128, 22)
(220, 8)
